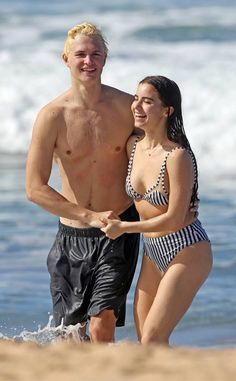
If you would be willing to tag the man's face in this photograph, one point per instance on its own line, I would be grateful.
(86, 58)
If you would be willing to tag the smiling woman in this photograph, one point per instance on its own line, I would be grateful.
(163, 181)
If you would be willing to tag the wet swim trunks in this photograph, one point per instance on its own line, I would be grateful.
(90, 272)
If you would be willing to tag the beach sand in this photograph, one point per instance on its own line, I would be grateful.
(119, 362)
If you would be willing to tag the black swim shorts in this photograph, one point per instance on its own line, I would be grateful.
(90, 272)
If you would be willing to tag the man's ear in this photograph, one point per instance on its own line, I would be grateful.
(65, 58)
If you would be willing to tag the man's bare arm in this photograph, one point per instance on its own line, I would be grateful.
(38, 171)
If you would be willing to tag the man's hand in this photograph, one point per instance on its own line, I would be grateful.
(100, 219)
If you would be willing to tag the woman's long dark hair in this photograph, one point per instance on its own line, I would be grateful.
(170, 95)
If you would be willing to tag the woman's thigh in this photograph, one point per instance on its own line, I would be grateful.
(184, 276)
(146, 289)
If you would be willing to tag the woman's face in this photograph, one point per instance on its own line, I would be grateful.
(147, 107)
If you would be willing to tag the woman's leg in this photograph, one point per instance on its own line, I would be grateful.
(184, 276)
(146, 288)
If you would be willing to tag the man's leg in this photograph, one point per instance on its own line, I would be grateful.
(102, 327)
(112, 280)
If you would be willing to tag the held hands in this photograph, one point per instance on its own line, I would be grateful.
(99, 219)
(113, 228)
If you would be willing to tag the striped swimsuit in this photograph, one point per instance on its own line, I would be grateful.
(162, 250)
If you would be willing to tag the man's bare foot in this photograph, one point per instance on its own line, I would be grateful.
(75, 333)
(81, 332)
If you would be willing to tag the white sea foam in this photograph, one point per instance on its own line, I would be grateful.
(33, 73)
(49, 334)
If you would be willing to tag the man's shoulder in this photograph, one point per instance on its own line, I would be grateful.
(137, 135)
(55, 108)
(115, 93)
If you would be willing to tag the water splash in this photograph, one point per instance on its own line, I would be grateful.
(50, 335)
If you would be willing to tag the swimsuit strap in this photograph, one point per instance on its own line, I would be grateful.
(160, 177)
(131, 159)
(165, 162)
(163, 169)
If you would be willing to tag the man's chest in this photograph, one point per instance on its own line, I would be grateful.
(87, 133)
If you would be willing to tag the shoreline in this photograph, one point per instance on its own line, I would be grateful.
(198, 337)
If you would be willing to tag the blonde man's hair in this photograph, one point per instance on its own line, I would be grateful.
(85, 29)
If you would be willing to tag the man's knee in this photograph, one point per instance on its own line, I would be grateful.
(102, 326)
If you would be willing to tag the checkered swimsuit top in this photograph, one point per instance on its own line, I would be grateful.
(157, 194)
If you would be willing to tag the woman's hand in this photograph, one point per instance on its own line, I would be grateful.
(113, 228)
(101, 219)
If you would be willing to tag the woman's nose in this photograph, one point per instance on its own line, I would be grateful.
(138, 105)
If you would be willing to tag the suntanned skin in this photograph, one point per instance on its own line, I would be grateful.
(85, 131)
(162, 298)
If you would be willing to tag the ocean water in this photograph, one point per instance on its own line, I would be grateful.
(192, 42)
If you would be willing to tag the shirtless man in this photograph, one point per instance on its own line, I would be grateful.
(85, 131)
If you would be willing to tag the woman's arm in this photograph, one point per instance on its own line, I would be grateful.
(181, 176)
